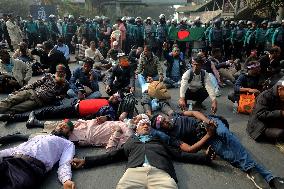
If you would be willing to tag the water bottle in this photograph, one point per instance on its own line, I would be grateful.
(190, 106)
(235, 107)
(155, 104)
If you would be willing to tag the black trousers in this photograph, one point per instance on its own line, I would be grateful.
(19, 173)
(11, 138)
(66, 110)
(199, 96)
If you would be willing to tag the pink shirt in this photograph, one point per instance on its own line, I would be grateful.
(88, 132)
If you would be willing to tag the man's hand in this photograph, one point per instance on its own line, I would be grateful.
(122, 116)
(81, 95)
(254, 91)
(161, 78)
(69, 185)
(107, 88)
(132, 90)
(149, 79)
(182, 104)
(77, 163)
(101, 119)
(210, 130)
(214, 106)
(88, 90)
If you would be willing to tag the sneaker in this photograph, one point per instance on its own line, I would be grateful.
(257, 179)
(33, 122)
(277, 183)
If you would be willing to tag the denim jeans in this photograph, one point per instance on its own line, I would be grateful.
(93, 95)
(229, 148)
(171, 80)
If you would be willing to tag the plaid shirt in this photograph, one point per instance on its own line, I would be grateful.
(46, 89)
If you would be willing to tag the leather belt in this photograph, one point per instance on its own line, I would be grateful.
(30, 159)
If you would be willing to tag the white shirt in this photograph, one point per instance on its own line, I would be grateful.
(49, 149)
(95, 55)
(196, 84)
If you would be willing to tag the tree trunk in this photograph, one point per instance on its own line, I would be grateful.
(280, 14)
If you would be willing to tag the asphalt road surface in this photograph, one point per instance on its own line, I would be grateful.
(219, 176)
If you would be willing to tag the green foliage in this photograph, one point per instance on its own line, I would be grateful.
(16, 7)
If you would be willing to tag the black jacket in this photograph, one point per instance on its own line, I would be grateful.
(267, 110)
(56, 57)
(158, 154)
(121, 77)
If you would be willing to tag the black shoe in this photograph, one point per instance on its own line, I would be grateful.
(33, 122)
(277, 183)
(5, 117)
(257, 179)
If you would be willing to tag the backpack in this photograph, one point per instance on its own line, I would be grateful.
(202, 72)
(128, 105)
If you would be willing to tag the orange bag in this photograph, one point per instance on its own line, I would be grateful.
(246, 103)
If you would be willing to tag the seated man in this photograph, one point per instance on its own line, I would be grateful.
(149, 66)
(90, 108)
(192, 134)
(248, 82)
(197, 86)
(108, 134)
(176, 66)
(23, 53)
(121, 77)
(35, 95)
(114, 51)
(62, 48)
(14, 73)
(267, 118)
(27, 165)
(81, 50)
(84, 82)
(96, 55)
(26, 55)
(149, 160)
(52, 57)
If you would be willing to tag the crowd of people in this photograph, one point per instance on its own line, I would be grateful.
(126, 57)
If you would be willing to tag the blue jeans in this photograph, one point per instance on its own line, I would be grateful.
(229, 148)
(93, 95)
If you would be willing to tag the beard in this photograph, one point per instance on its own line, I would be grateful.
(59, 133)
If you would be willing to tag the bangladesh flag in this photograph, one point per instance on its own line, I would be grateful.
(192, 34)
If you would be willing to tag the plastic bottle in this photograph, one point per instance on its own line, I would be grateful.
(235, 107)
(190, 106)
(155, 104)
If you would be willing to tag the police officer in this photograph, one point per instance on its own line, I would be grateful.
(278, 38)
(216, 35)
(31, 29)
(162, 34)
(237, 40)
(139, 32)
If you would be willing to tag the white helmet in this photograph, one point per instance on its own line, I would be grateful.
(162, 16)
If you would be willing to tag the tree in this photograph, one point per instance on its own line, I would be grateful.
(16, 7)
